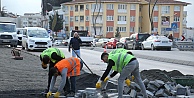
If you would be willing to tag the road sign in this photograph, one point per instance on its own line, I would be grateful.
(174, 26)
(168, 29)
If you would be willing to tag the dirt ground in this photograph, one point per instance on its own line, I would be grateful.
(26, 78)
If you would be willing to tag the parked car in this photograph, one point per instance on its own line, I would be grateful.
(122, 42)
(57, 42)
(135, 40)
(102, 42)
(157, 42)
(94, 42)
(111, 43)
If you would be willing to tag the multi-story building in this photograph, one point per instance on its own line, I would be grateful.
(129, 16)
(31, 20)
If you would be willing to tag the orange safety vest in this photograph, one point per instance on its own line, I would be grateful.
(72, 64)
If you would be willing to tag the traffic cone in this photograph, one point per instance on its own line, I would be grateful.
(104, 49)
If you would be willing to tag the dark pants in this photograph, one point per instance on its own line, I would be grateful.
(51, 64)
(70, 85)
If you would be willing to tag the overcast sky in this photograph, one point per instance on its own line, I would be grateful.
(34, 6)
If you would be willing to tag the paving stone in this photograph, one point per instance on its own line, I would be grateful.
(181, 91)
(149, 93)
(161, 93)
(160, 82)
(133, 93)
(151, 87)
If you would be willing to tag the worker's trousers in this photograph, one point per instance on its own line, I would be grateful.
(131, 68)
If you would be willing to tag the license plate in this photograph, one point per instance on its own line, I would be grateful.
(6, 41)
(164, 41)
(41, 45)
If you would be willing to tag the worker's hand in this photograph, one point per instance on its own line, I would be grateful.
(107, 78)
(44, 66)
(98, 84)
(56, 95)
(128, 82)
(69, 50)
(48, 94)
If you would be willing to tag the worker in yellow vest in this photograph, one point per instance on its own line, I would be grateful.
(125, 64)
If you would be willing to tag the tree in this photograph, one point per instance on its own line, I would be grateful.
(55, 22)
(117, 34)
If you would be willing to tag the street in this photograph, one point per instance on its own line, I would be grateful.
(92, 58)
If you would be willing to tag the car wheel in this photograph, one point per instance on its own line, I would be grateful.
(152, 47)
(142, 47)
(133, 47)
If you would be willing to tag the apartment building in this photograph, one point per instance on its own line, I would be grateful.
(129, 16)
(31, 20)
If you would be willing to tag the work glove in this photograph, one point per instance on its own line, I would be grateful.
(107, 78)
(56, 95)
(128, 82)
(69, 49)
(98, 84)
(48, 94)
(44, 66)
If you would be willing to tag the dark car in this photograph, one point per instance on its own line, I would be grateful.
(135, 40)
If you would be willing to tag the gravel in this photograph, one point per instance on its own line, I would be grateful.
(26, 78)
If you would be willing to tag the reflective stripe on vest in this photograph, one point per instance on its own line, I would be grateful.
(119, 58)
(72, 62)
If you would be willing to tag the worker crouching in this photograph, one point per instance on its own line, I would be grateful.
(69, 67)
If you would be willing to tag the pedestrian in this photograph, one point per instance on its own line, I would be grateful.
(50, 56)
(183, 38)
(69, 67)
(125, 64)
(75, 43)
(170, 37)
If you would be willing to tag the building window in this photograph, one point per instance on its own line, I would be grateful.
(81, 18)
(155, 19)
(165, 9)
(71, 28)
(87, 18)
(81, 7)
(177, 8)
(87, 28)
(155, 29)
(176, 19)
(132, 7)
(109, 6)
(132, 29)
(76, 18)
(87, 6)
(140, 18)
(121, 18)
(81, 28)
(122, 7)
(66, 18)
(122, 29)
(71, 18)
(156, 8)
(71, 8)
(76, 8)
(132, 19)
(109, 18)
(109, 29)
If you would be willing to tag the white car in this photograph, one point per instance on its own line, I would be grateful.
(36, 38)
(157, 42)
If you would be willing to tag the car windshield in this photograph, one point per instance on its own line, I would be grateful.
(38, 33)
(7, 28)
(143, 36)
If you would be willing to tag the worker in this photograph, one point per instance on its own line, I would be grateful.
(50, 56)
(69, 67)
(125, 64)
(118, 50)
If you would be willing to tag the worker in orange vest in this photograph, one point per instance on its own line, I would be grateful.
(69, 67)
